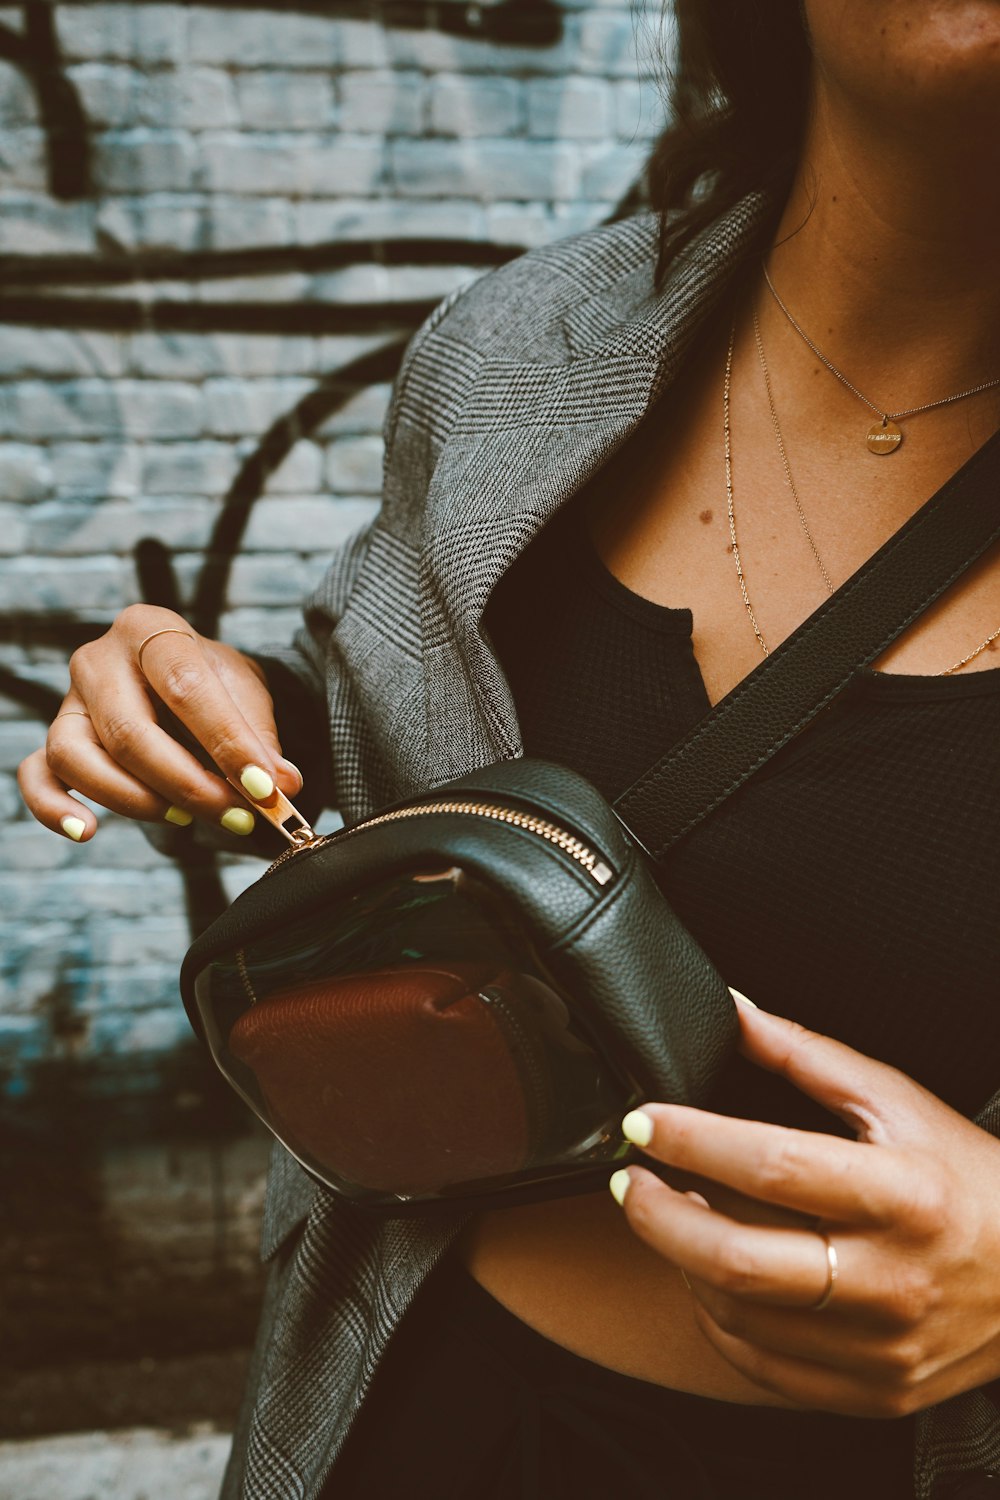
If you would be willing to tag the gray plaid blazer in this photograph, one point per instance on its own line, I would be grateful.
(510, 397)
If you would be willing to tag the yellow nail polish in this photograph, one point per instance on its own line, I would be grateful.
(619, 1186)
(238, 820)
(178, 816)
(637, 1127)
(256, 783)
(741, 999)
(73, 828)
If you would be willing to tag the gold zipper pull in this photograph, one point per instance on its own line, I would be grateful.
(282, 815)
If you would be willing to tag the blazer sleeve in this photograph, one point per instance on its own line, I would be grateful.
(299, 675)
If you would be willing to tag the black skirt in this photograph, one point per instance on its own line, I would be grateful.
(471, 1404)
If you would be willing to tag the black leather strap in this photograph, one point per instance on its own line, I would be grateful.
(792, 685)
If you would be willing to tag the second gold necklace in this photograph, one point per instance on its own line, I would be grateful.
(731, 503)
(884, 437)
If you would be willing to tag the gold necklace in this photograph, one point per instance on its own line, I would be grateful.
(885, 437)
(731, 504)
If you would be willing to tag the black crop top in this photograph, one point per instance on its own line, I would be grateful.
(853, 884)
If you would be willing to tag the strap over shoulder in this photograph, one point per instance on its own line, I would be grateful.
(807, 671)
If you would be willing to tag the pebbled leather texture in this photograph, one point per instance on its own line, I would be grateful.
(792, 685)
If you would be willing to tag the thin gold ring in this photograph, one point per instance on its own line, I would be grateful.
(832, 1273)
(72, 713)
(167, 630)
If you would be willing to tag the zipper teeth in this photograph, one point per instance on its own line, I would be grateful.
(551, 832)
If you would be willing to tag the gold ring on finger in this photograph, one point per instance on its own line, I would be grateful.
(167, 630)
(832, 1273)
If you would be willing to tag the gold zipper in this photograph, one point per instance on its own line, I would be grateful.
(551, 832)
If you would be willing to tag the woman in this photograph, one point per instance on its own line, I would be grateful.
(778, 1334)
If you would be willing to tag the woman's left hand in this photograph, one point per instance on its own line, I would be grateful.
(911, 1207)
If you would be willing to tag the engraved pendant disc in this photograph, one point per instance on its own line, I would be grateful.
(884, 437)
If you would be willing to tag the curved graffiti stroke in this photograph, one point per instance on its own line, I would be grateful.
(35, 51)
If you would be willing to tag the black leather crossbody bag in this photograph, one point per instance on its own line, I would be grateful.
(458, 998)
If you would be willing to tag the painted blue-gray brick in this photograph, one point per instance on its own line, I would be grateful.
(57, 352)
(99, 469)
(93, 586)
(483, 169)
(18, 103)
(561, 108)
(25, 472)
(32, 224)
(293, 163)
(234, 407)
(361, 219)
(278, 99)
(261, 38)
(23, 160)
(608, 171)
(196, 355)
(610, 45)
(202, 468)
(146, 33)
(145, 160)
(96, 408)
(470, 107)
(374, 103)
(65, 529)
(354, 466)
(15, 529)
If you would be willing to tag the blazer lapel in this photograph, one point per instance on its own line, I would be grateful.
(530, 435)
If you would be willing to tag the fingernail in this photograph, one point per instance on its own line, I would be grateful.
(238, 820)
(619, 1185)
(73, 828)
(741, 999)
(292, 767)
(178, 816)
(256, 783)
(637, 1127)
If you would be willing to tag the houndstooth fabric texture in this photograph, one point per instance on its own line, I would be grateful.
(510, 397)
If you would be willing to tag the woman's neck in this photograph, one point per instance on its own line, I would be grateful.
(887, 256)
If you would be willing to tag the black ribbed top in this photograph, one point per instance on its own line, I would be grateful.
(853, 883)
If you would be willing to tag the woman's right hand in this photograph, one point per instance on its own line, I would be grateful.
(106, 741)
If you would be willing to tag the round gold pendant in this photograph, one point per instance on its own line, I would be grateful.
(884, 438)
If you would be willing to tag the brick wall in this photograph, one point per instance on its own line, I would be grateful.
(206, 213)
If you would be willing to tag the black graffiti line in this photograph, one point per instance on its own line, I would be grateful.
(55, 271)
(35, 51)
(214, 317)
(525, 23)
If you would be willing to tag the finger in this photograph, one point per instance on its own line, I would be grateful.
(776, 1264)
(182, 676)
(864, 1093)
(126, 724)
(49, 801)
(249, 691)
(809, 1383)
(76, 757)
(815, 1174)
(852, 1340)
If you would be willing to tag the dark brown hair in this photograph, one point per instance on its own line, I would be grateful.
(738, 94)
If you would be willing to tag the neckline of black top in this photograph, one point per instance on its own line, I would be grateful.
(671, 620)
